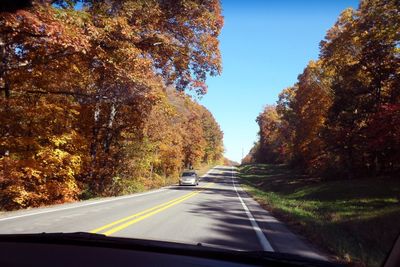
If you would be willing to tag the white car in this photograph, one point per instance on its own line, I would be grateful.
(189, 178)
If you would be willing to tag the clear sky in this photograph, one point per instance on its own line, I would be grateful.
(265, 45)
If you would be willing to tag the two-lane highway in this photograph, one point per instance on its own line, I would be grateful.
(215, 213)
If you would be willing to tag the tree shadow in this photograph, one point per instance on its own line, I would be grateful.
(230, 222)
(356, 217)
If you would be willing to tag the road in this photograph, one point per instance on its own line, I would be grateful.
(216, 213)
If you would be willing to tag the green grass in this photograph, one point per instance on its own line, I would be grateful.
(356, 220)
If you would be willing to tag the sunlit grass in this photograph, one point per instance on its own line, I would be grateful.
(358, 220)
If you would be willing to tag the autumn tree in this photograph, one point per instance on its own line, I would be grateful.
(80, 84)
(310, 105)
(362, 49)
(287, 124)
(213, 135)
(171, 141)
(270, 145)
(201, 135)
(341, 117)
(41, 150)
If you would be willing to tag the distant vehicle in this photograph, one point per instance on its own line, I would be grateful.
(189, 178)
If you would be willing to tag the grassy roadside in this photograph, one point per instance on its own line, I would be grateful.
(357, 220)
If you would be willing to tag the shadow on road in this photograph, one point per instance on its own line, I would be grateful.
(229, 226)
(220, 202)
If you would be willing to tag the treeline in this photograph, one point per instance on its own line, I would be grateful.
(93, 100)
(342, 117)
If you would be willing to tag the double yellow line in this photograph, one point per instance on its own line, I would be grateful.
(137, 217)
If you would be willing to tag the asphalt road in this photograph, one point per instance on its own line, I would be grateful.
(216, 213)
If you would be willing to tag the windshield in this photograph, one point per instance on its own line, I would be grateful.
(188, 174)
(289, 112)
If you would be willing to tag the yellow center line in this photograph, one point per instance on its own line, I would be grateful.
(137, 214)
(156, 209)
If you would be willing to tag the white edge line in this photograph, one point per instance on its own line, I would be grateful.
(79, 206)
(89, 204)
(261, 237)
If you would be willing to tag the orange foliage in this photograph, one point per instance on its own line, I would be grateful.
(81, 88)
(340, 118)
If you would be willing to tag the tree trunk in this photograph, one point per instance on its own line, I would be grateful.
(108, 138)
(3, 68)
(95, 131)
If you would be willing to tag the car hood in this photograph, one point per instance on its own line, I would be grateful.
(196, 250)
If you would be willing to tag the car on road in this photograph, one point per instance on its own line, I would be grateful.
(189, 178)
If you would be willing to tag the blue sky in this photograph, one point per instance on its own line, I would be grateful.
(265, 45)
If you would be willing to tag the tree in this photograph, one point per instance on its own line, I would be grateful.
(310, 105)
(345, 103)
(270, 146)
(81, 84)
(212, 135)
(362, 50)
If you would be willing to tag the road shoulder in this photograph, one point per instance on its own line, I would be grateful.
(281, 238)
